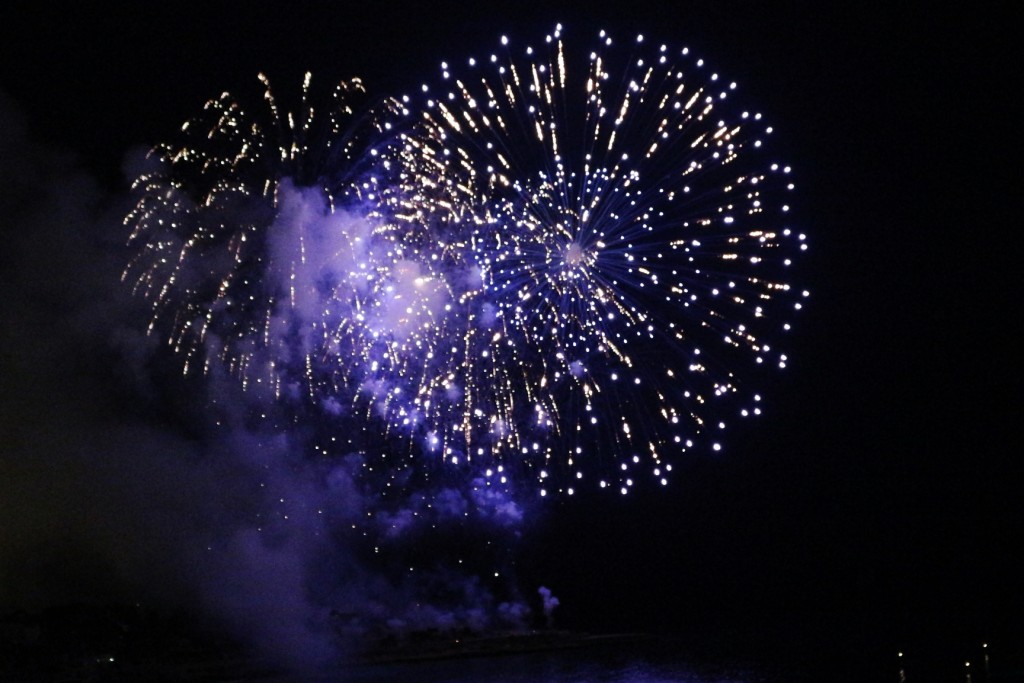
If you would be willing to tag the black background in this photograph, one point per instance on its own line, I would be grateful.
(878, 503)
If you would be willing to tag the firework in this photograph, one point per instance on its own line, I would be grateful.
(620, 230)
(552, 266)
(258, 240)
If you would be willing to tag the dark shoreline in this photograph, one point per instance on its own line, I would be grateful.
(480, 645)
(130, 643)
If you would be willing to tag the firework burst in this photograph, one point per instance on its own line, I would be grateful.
(622, 228)
(258, 237)
(558, 266)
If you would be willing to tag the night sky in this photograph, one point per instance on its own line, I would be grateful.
(876, 506)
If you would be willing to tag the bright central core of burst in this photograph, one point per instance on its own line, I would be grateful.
(574, 255)
(577, 259)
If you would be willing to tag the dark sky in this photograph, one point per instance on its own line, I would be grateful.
(879, 501)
